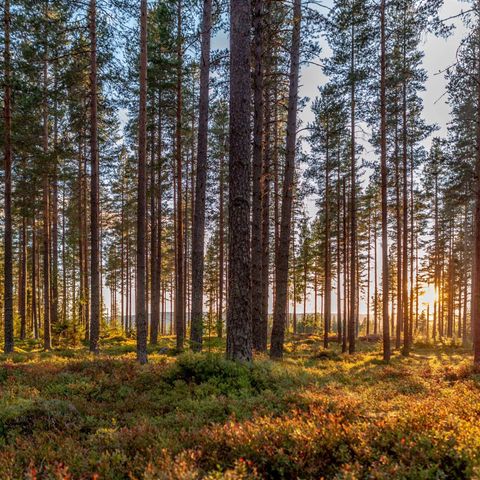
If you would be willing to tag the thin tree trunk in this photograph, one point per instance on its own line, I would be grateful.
(258, 326)
(140, 300)
(46, 214)
(407, 316)
(265, 195)
(94, 187)
(384, 175)
(339, 262)
(36, 332)
(437, 246)
(54, 215)
(282, 253)
(375, 277)
(22, 294)
(64, 262)
(368, 270)
(413, 257)
(328, 267)
(7, 115)
(345, 264)
(466, 252)
(353, 203)
(221, 248)
(180, 286)
(198, 226)
(399, 324)
(475, 309)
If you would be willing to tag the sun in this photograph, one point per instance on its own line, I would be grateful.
(428, 296)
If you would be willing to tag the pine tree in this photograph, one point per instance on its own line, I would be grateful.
(239, 315)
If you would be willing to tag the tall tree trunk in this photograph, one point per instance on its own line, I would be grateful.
(384, 181)
(180, 286)
(81, 237)
(140, 301)
(399, 324)
(475, 309)
(198, 226)
(94, 187)
(64, 262)
(413, 257)
(276, 185)
(259, 329)
(54, 203)
(466, 253)
(375, 277)
(239, 314)
(221, 249)
(407, 316)
(339, 261)
(345, 264)
(46, 211)
(154, 282)
(7, 115)
(282, 253)
(328, 267)
(353, 202)
(437, 241)
(122, 255)
(265, 195)
(156, 244)
(23, 282)
(369, 256)
(36, 332)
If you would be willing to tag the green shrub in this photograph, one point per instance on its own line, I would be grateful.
(24, 416)
(230, 378)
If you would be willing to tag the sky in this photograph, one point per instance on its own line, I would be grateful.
(440, 53)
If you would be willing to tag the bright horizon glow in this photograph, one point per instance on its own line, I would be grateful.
(428, 297)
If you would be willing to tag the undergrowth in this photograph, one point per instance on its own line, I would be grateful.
(318, 414)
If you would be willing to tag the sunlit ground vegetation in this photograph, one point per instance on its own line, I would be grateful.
(318, 414)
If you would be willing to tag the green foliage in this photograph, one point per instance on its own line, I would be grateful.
(25, 416)
(317, 414)
(225, 376)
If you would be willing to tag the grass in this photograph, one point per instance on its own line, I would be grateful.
(67, 415)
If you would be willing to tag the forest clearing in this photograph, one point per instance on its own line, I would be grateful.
(317, 414)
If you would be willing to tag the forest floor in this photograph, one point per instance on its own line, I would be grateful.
(67, 415)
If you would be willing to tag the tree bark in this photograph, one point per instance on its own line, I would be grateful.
(94, 187)
(399, 324)
(353, 202)
(221, 249)
(180, 286)
(282, 253)
(384, 180)
(339, 262)
(265, 195)
(407, 316)
(198, 226)
(46, 211)
(23, 282)
(35, 318)
(259, 331)
(7, 114)
(239, 314)
(475, 310)
(140, 300)
(328, 267)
